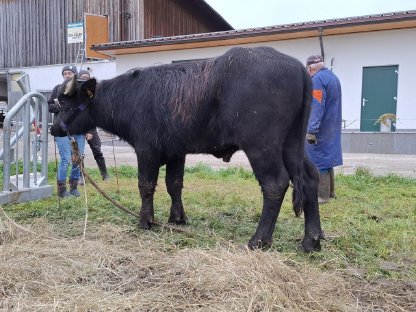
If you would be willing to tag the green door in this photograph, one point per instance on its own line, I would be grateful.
(379, 95)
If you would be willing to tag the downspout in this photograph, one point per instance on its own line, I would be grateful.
(321, 43)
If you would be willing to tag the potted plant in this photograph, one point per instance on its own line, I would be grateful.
(386, 121)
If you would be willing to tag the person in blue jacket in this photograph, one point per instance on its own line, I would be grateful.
(324, 126)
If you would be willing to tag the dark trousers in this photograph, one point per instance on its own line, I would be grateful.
(95, 145)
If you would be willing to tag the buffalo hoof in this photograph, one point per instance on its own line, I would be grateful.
(311, 244)
(178, 220)
(256, 243)
(145, 224)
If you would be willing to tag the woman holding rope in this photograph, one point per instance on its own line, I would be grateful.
(64, 143)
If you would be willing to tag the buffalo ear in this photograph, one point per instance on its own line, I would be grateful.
(70, 86)
(89, 87)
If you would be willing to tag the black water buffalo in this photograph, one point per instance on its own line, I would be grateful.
(251, 99)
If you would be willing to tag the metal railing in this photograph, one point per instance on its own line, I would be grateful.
(31, 184)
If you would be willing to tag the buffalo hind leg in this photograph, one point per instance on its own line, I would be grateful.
(148, 174)
(313, 230)
(174, 184)
(305, 177)
(274, 182)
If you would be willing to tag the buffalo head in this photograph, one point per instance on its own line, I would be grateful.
(75, 98)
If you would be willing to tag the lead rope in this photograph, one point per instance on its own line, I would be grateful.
(115, 164)
(118, 205)
(86, 204)
(56, 168)
(77, 160)
(121, 207)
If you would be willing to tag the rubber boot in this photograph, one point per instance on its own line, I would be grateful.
(62, 192)
(324, 187)
(332, 184)
(103, 169)
(73, 188)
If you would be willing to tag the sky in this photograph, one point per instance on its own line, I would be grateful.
(259, 13)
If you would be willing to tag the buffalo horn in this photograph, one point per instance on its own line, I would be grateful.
(70, 87)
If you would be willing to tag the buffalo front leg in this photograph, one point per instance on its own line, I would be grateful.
(174, 184)
(148, 174)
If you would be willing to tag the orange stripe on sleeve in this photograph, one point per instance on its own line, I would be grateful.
(317, 95)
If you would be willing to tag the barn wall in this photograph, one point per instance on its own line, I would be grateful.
(34, 33)
(350, 53)
(165, 18)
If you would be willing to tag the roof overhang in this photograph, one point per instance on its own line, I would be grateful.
(388, 21)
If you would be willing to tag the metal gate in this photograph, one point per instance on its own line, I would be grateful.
(25, 151)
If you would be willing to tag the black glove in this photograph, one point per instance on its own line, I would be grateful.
(311, 138)
(54, 106)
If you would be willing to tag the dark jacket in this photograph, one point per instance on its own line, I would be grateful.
(52, 106)
(326, 120)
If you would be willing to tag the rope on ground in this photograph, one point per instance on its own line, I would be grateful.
(118, 205)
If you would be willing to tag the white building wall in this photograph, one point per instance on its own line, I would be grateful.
(44, 78)
(345, 54)
(353, 52)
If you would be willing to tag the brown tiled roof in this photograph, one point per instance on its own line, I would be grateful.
(263, 31)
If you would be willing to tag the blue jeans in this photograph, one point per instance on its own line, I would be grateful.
(65, 152)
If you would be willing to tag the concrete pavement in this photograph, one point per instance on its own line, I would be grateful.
(378, 164)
